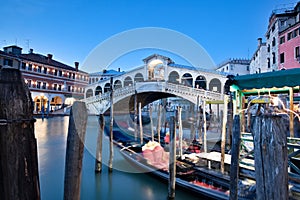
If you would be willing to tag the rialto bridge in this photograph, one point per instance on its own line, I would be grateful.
(158, 78)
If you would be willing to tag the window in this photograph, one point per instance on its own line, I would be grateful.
(268, 48)
(73, 76)
(55, 86)
(282, 58)
(8, 62)
(248, 67)
(59, 73)
(282, 39)
(23, 65)
(55, 72)
(273, 42)
(45, 70)
(268, 61)
(69, 88)
(39, 69)
(59, 87)
(44, 86)
(29, 83)
(38, 84)
(297, 52)
(289, 36)
(295, 33)
(231, 67)
(273, 58)
(273, 27)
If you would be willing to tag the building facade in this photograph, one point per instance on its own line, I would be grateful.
(289, 52)
(235, 67)
(53, 85)
(272, 55)
(258, 62)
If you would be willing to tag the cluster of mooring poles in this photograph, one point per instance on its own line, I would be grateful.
(269, 141)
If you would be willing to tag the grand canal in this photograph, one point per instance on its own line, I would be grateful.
(122, 183)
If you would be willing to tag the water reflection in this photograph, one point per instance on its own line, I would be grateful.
(51, 137)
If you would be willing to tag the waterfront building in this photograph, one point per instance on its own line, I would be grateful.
(271, 55)
(289, 52)
(53, 85)
(258, 62)
(235, 67)
(103, 75)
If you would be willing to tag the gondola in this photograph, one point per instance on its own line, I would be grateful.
(197, 180)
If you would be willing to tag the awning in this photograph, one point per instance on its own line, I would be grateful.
(277, 79)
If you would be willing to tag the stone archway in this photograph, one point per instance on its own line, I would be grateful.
(106, 87)
(117, 84)
(174, 77)
(187, 79)
(215, 85)
(98, 90)
(128, 81)
(139, 77)
(89, 93)
(200, 82)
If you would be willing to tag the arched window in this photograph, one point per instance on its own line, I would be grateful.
(200, 82)
(187, 79)
(106, 87)
(138, 77)
(128, 81)
(98, 90)
(174, 77)
(117, 84)
(89, 93)
(215, 85)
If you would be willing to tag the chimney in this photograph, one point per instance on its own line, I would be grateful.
(76, 65)
(259, 41)
(50, 56)
(30, 50)
(119, 69)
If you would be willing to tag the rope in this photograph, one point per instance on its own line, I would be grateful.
(4, 122)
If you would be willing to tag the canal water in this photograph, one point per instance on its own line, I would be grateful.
(123, 183)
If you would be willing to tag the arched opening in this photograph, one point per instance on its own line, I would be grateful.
(174, 77)
(56, 103)
(107, 87)
(187, 79)
(138, 77)
(98, 90)
(200, 82)
(117, 84)
(89, 93)
(128, 81)
(215, 85)
(40, 104)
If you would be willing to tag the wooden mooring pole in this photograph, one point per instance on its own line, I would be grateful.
(141, 123)
(151, 123)
(172, 159)
(19, 177)
(74, 152)
(111, 126)
(235, 155)
(271, 160)
(159, 122)
(223, 138)
(98, 164)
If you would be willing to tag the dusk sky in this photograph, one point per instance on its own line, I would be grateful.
(70, 30)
